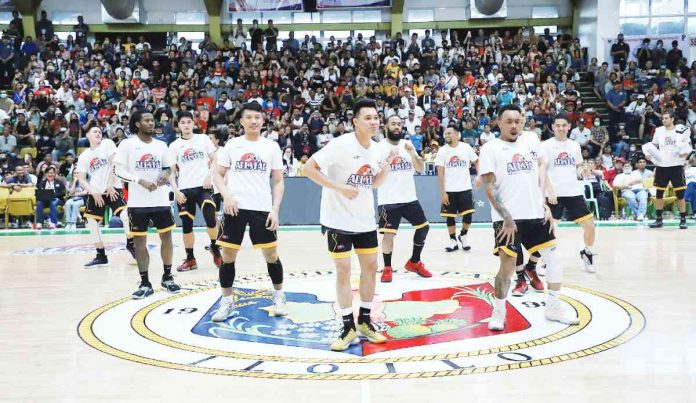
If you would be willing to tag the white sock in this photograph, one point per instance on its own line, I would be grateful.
(228, 298)
(366, 305)
(346, 311)
(588, 250)
(277, 292)
(499, 304)
(553, 297)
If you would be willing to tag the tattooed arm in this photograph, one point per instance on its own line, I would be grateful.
(507, 234)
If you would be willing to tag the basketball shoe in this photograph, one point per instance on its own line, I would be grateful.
(366, 329)
(556, 312)
(99, 261)
(418, 268)
(225, 310)
(145, 290)
(464, 243)
(279, 308)
(497, 320)
(387, 274)
(348, 337)
(170, 285)
(188, 265)
(587, 260)
(534, 280)
(521, 287)
(454, 245)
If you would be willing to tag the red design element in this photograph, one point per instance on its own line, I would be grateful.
(397, 160)
(562, 155)
(517, 157)
(471, 309)
(189, 151)
(364, 170)
(147, 157)
(454, 159)
(94, 162)
(248, 157)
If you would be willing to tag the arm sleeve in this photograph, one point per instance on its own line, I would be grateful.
(223, 158)
(81, 165)
(486, 161)
(439, 159)
(326, 156)
(277, 159)
(472, 154)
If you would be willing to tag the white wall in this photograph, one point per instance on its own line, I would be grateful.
(448, 10)
(155, 11)
(587, 30)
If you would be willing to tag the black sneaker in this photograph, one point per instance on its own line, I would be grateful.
(587, 260)
(170, 285)
(683, 224)
(131, 248)
(99, 261)
(656, 224)
(145, 290)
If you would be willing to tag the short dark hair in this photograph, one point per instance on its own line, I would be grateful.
(136, 117)
(509, 107)
(668, 112)
(185, 114)
(363, 103)
(251, 106)
(563, 116)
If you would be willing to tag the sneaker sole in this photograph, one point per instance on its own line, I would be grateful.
(519, 294)
(562, 321)
(185, 270)
(96, 265)
(466, 248)
(143, 297)
(451, 250)
(384, 281)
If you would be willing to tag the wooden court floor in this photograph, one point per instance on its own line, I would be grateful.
(44, 297)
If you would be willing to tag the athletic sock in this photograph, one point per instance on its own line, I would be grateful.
(387, 259)
(453, 236)
(658, 214)
(553, 297)
(144, 279)
(129, 242)
(167, 272)
(213, 245)
(682, 216)
(530, 265)
(588, 250)
(463, 232)
(520, 275)
(364, 312)
(348, 320)
(189, 254)
(101, 253)
(416, 255)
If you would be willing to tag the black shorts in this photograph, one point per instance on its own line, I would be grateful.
(665, 175)
(575, 207)
(217, 199)
(141, 218)
(460, 203)
(341, 243)
(97, 213)
(534, 235)
(195, 197)
(232, 230)
(390, 216)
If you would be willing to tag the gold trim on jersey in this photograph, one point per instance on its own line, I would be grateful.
(419, 226)
(450, 215)
(584, 218)
(228, 245)
(266, 245)
(467, 212)
(505, 250)
(139, 233)
(541, 246)
(366, 251)
(118, 210)
(680, 188)
(93, 216)
(169, 228)
(183, 213)
(387, 231)
(339, 255)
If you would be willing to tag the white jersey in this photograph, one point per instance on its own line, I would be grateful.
(456, 161)
(531, 139)
(250, 166)
(516, 178)
(562, 158)
(399, 186)
(192, 158)
(95, 163)
(690, 175)
(345, 161)
(671, 143)
(146, 161)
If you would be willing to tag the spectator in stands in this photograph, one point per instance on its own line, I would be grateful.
(44, 26)
(20, 179)
(75, 200)
(641, 167)
(64, 143)
(581, 134)
(635, 117)
(630, 185)
(8, 142)
(616, 100)
(610, 173)
(81, 30)
(690, 173)
(6, 166)
(599, 137)
(621, 148)
(620, 52)
(52, 183)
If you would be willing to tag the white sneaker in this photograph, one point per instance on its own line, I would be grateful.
(559, 313)
(38, 226)
(463, 243)
(279, 308)
(454, 245)
(51, 226)
(497, 320)
(225, 310)
(587, 260)
(641, 217)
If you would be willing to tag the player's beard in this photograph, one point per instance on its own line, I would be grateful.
(393, 136)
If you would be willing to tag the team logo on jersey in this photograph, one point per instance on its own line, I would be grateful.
(191, 155)
(564, 160)
(399, 164)
(148, 162)
(456, 162)
(434, 329)
(250, 162)
(669, 141)
(519, 164)
(96, 164)
(363, 177)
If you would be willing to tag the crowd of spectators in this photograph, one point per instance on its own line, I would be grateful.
(57, 90)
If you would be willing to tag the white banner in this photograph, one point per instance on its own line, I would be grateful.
(264, 5)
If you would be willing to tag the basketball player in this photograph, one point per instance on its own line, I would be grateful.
(103, 189)
(191, 155)
(397, 198)
(673, 147)
(564, 165)
(347, 169)
(453, 162)
(144, 162)
(252, 161)
(511, 180)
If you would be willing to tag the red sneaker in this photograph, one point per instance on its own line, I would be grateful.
(520, 288)
(387, 275)
(537, 285)
(217, 257)
(418, 268)
(188, 265)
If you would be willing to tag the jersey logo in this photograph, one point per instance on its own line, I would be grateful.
(362, 178)
(148, 162)
(519, 164)
(455, 162)
(250, 162)
(400, 164)
(669, 141)
(564, 160)
(96, 164)
(191, 155)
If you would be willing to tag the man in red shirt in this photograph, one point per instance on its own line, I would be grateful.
(610, 174)
(107, 111)
(203, 98)
(430, 120)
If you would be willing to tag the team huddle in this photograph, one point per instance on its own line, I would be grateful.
(529, 185)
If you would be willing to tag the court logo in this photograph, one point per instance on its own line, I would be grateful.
(76, 249)
(434, 327)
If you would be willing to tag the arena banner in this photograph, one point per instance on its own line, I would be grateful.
(264, 5)
(636, 41)
(329, 4)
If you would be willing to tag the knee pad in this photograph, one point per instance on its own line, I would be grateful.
(451, 222)
(186, 224)
(275, 271)
(466, 218)
(227, 272)
(554, 270)
(660, 193)
(420, 235)
(209, 215)
(679, 194)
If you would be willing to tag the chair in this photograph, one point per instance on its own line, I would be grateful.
(4, 194)
(591, 199)
(27, 150)
(19, 207)
(80, 150)
(619, 202)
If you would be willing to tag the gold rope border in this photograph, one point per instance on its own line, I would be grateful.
(635, 327)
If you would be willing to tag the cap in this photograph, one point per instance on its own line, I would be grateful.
(59, 112)
(641, 96)
(434, 143)
(407, 89)
(619, 159)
